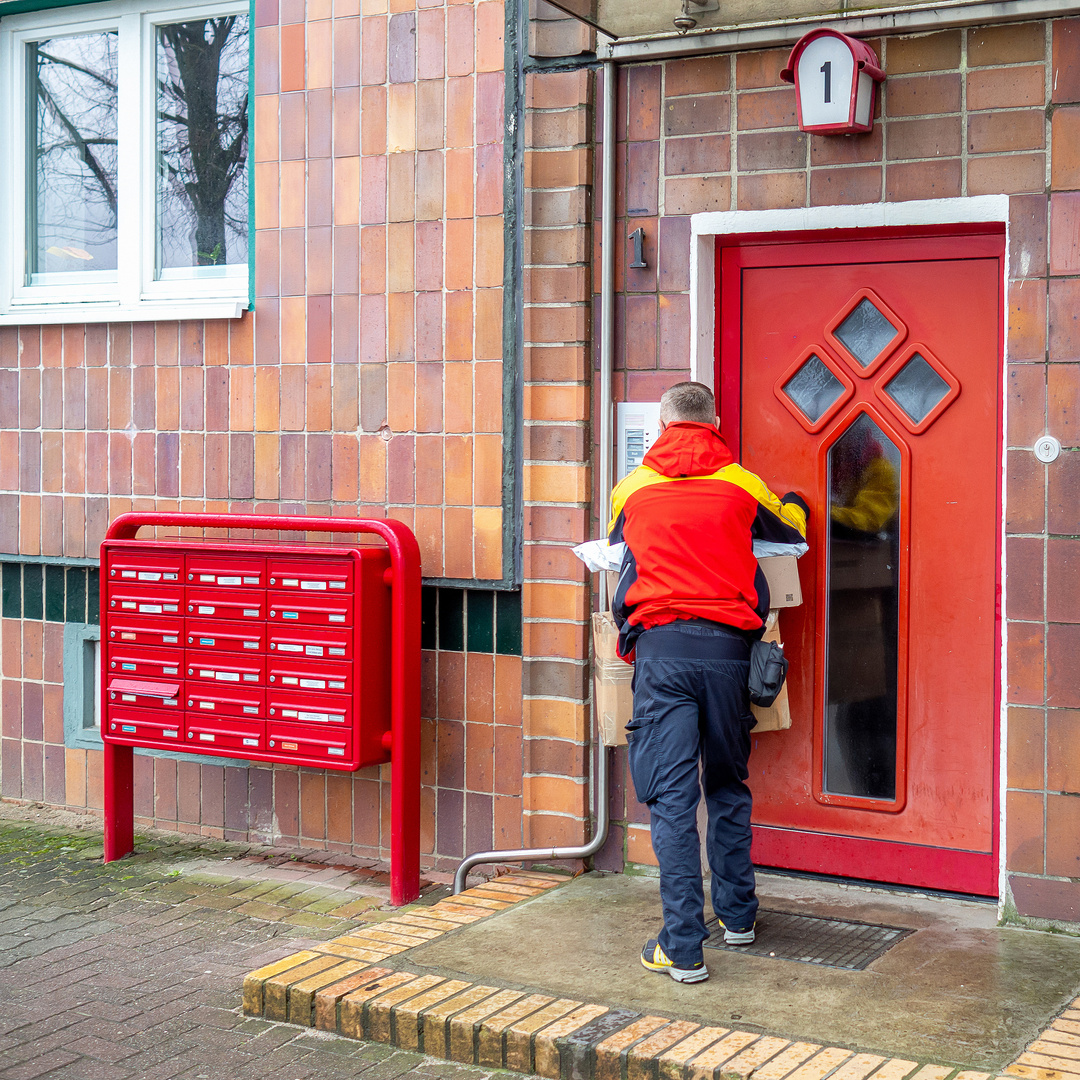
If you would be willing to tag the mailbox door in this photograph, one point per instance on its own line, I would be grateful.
(145, 565)
(238, 604)
(144, 663)
(288, 673)
(866, 375)
(135, 631)
(316, 744)
(308, 707)
(225, 570)
(318, 644)
(135, 598)
(206, 699)
(144, 727)
(241, 738)
(311, 575)
(310, 609)
(230, 669)
(224, 637)
(144, 693)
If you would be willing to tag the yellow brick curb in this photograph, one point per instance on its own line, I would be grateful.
(338, 986)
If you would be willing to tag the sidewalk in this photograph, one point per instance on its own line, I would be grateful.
(136, 969)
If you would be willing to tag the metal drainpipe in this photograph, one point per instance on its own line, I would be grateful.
(607, 340)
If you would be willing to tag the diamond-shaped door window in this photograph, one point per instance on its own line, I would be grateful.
(918, 388)
(867, 331)
(814, 388)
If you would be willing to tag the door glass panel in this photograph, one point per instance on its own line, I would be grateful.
(866, 333)
(862, 625)
(71, 204)
(813, 388)
(917, 388)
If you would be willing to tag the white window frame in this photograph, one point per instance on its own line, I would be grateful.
(138, 293)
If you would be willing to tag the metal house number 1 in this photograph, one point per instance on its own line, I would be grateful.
(826, 70)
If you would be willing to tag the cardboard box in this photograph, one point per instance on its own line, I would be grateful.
(782, 574)
(613, 698)
(777, 717)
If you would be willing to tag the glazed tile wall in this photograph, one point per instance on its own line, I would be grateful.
(470, 735)
(964, 112)
(557, 474)
(369, 380)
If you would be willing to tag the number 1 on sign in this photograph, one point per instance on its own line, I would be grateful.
(826, 70)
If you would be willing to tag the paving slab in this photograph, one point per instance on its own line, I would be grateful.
(959, 989)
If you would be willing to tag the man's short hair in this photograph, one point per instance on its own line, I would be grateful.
(688, 401)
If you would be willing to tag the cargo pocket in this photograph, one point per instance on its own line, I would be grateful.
(642, 747)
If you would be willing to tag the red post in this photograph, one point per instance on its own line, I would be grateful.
(119, 801)
(405, 683)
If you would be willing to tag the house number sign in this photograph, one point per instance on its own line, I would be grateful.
(835, 79)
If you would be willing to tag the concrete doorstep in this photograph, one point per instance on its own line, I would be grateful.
(455, 981)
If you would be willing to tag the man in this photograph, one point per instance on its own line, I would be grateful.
(689, 603)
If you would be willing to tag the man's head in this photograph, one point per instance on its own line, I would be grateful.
(689, 402)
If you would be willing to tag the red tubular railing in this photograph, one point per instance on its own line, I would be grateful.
(404, 684)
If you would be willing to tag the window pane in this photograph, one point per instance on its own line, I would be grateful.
(814, 389)
(862, 626)
(202, 144)
(866, 333)
(917, 388)
(71, 203)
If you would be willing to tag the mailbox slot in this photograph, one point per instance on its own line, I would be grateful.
(145, 663)
(225, 571)
(226, 604)
(216, 736)
(146, 565)
(145, 631)
(224, 669)
(325, 576)
(203, 699)
(144, 693)
(140, 727)
(319, 644)
(302, 674)
(321, 743)
(308, 707)
(226, 637)
(136, 598)
(310, 609)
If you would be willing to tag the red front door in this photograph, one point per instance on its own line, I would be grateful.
(865, 374)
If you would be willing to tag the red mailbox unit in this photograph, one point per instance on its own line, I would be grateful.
(306, 654)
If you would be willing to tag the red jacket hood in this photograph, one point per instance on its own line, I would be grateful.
(689, 449)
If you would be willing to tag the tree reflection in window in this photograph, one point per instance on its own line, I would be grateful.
(72, 201)
(202, 143)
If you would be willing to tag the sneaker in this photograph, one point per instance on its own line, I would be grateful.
(655, 959)
(737, 937)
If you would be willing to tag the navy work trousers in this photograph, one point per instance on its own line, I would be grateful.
(691, 703)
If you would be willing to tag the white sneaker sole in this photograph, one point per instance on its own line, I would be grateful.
(684, 975)
(731, 937)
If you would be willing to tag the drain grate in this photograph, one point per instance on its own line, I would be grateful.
(810, 939)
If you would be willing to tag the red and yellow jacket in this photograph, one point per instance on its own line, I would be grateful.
(689, 515)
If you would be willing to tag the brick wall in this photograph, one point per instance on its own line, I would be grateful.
(369, 380)
(964, 112)
(558, 484)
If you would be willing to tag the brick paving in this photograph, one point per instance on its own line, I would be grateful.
(134, 970)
